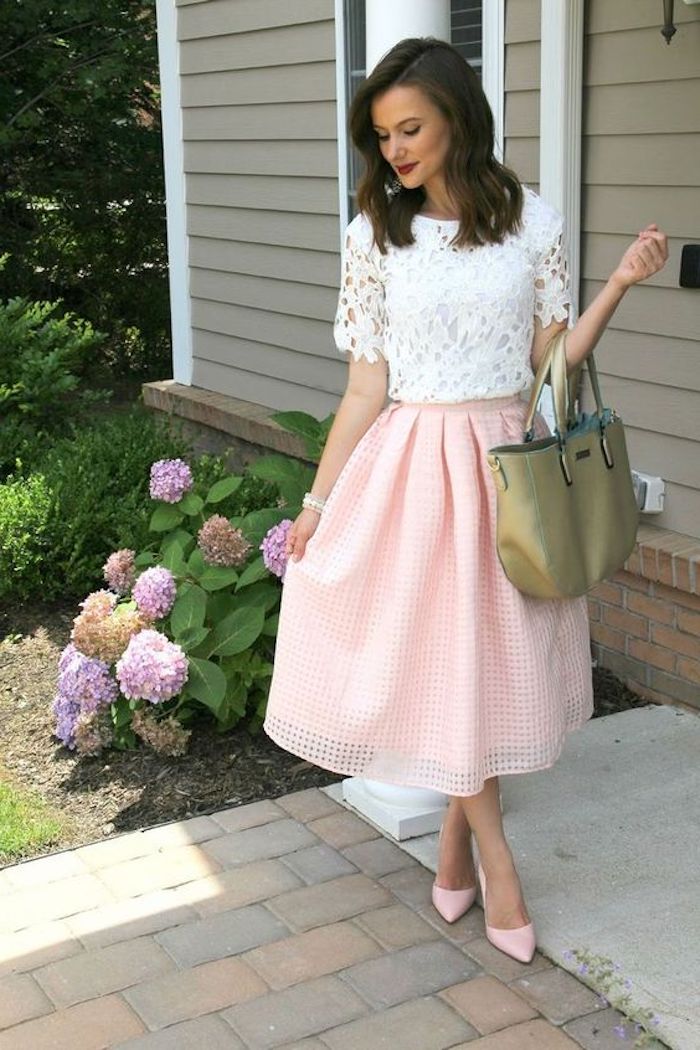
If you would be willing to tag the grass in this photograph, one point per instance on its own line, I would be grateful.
(26, 823)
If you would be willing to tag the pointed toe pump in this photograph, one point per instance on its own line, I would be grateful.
(452, 904)
(519, 943)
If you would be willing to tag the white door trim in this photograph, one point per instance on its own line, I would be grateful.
(493, 65)
(175, 199)
(561, 89)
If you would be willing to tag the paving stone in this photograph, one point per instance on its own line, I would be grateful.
(202, 1033)
(308, 804)
(318, 863)
(379, 857)
(467, 928)
(342, 829)
(126, 919)
(21, 998)
(238, 818)
(330, 901)
(293, 1013)
(488, 1004)
(99, 1023)
(216, 936)
(236, 887)
(422, 1024)
(409, 972)
(34, 905)
(411, 885)
(501, 965)
(36, 946)
(44, 870)
(312, 1043)
(105, 970)
(135, 844)
(189, 993)
(531, 1035)
(557, 995)
(304, 956)
(187, 832)
(260, 843)
(395, 926)
(596, 1031)
(157, 871)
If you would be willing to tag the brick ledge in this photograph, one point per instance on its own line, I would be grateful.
(660, 555)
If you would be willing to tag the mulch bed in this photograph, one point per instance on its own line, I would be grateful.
(127, 790)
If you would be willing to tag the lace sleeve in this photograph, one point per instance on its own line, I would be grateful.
(553, 300)
(360, 318)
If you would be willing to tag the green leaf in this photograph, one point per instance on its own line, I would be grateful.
(237, 632)
(207, 683)
(271, 625)
(191, 504)
(165, 518)
(196, 563)
(221, 489)
(257, 570)
(214, 577)
(173, 558)
(147, 558)
(192, 637)
(189, 610)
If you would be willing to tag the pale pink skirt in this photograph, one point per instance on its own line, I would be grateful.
(403, 652)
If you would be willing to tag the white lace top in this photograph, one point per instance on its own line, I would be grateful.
(453, 323)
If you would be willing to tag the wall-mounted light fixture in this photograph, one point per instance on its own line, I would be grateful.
(668, 27)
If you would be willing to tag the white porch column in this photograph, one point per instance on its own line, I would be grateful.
(561, 88)
(388, 21)
(176, 209)
(402, 812)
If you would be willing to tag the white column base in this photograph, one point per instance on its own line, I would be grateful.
(401, 812)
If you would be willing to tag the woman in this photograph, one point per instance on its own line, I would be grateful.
(403, 652)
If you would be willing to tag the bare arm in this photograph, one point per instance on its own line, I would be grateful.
(362, 402)
(645, 256)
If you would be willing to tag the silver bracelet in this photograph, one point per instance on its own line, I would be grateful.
(313, 502)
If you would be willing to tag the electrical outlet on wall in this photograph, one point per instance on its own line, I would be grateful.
(649, 491)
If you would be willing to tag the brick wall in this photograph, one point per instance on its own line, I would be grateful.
(645, 629)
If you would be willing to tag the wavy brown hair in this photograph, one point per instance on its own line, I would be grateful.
(489, 195)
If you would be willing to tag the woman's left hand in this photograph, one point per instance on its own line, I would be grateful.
(644, 257)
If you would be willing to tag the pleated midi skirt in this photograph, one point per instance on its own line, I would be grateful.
(404, 653)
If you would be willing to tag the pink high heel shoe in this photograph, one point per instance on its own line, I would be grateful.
(519, 943)
(452, 904)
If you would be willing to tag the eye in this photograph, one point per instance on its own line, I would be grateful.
(413, 131)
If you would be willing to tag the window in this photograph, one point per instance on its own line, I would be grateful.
(465, 35)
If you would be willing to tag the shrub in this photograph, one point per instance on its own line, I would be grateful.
(186, 629)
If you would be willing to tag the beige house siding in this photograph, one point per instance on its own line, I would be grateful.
(641, 158)
(261, 173)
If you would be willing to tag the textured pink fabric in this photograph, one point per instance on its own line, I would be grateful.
(403, 652)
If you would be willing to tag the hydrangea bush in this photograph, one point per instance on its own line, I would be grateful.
(186, 627)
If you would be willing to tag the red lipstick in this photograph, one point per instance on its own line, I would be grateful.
(406, 168)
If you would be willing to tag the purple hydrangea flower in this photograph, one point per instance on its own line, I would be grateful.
(170, 480)
(152, 668)
(274, 547)
(154, 592)
(84, 685)
(119, 571)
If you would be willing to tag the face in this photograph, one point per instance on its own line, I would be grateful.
(411, 130)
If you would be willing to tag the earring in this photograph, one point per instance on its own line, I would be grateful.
(396, 185)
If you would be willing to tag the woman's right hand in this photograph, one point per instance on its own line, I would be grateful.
(300, 532)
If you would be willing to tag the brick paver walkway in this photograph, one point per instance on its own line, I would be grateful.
(290, 923)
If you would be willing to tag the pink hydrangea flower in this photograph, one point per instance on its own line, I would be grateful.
(152, 668)
(119, 571)
(274, 547)
(220, 543)
(84, 686)
(154, 592)
(170, 480)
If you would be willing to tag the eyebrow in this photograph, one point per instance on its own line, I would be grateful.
(404, 121)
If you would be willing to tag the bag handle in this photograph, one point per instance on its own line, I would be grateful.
(554, 365)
